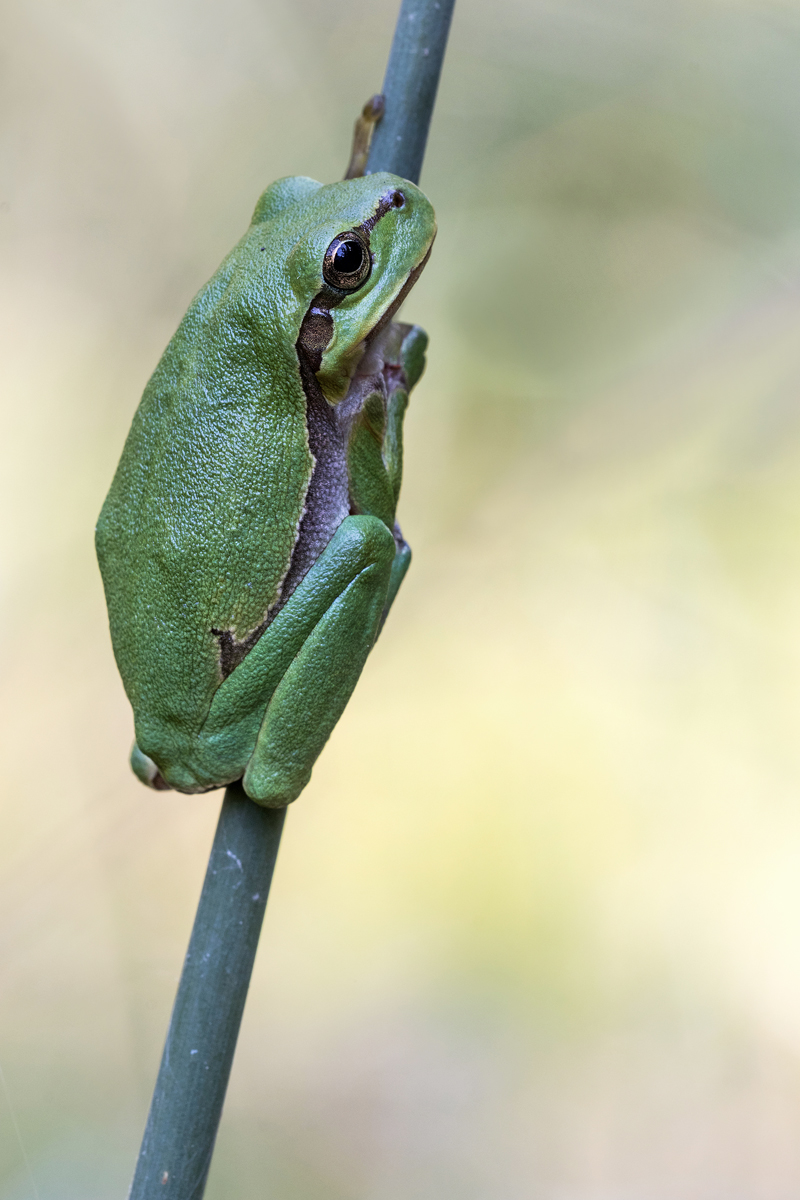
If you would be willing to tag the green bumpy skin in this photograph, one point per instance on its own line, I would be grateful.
(248, 544)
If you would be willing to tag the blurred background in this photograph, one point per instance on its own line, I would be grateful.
(534, 931)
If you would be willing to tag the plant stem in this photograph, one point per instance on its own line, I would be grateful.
(409, 89)
(190, 1089)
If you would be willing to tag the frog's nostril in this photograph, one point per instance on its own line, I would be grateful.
(398, 199)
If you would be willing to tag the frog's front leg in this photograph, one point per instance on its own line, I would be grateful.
(375, 440)
(306, 664)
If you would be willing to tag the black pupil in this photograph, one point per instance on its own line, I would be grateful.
(348, 258)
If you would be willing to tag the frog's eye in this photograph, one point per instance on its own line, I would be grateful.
(347, 262)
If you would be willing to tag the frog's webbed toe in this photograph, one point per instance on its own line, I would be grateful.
(146, 770)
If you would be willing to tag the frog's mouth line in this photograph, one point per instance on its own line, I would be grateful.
(401, 295)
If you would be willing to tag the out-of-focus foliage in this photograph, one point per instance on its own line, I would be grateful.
(535, 928)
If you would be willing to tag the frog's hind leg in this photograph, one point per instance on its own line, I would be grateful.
(314, 690)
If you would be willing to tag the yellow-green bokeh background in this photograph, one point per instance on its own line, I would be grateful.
(535, 926)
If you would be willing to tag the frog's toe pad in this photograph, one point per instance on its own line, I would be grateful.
(146, 770)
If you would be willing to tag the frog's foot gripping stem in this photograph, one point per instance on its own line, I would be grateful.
(369, 116)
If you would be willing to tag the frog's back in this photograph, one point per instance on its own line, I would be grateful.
(198, 529)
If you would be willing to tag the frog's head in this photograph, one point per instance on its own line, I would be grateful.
(352, 251)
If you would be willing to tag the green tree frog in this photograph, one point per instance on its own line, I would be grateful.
(248, 544)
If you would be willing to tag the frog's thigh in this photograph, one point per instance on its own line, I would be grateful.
(312, 694)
